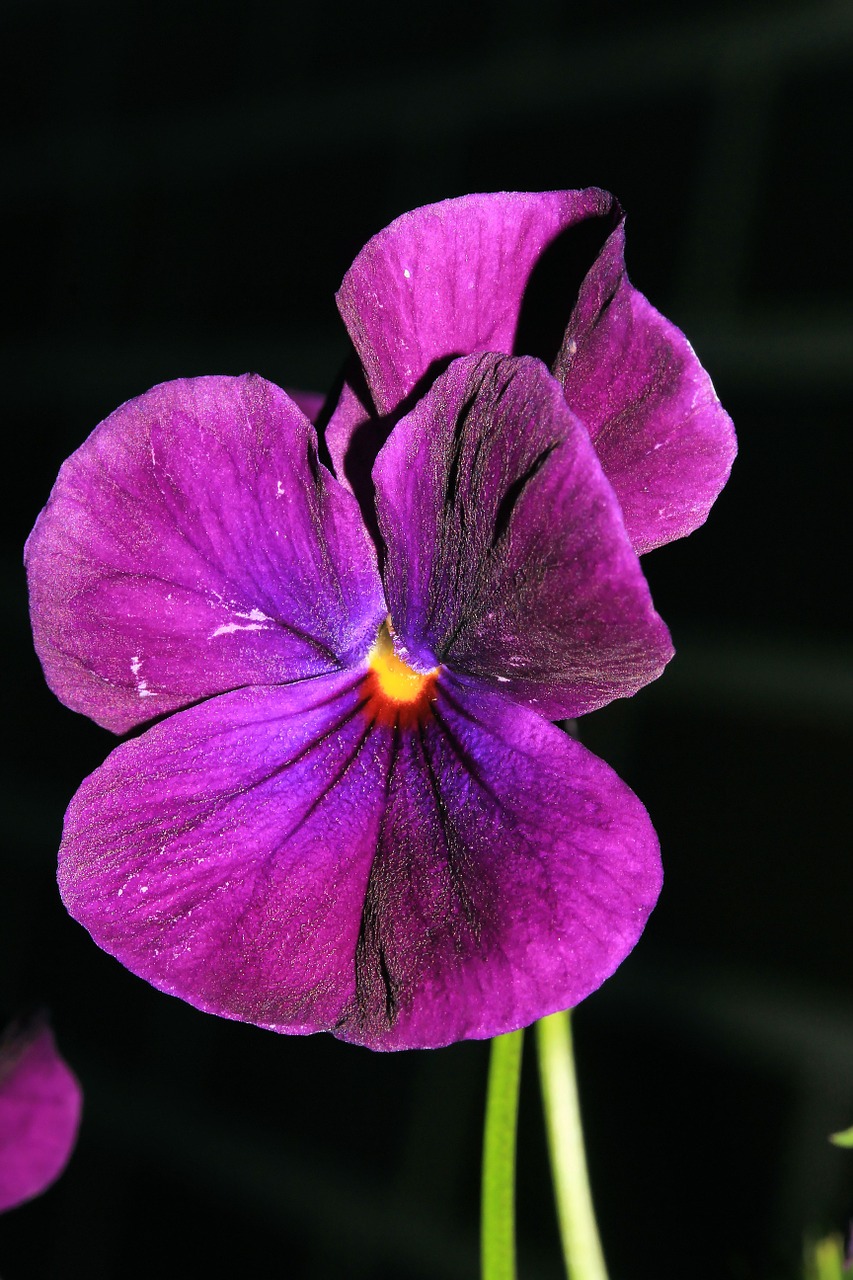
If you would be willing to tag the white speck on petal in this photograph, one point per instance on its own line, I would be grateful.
(279, 489)
(407, 273)
(228, 628)
(255, 620)
(141, 683)
(503, 679)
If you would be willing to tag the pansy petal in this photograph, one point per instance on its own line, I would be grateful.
(310, 402)
(507, 558)
(460, 277)
(40, 1105)
(192, 545)
(514, 873)
(354, 435)
(665, 442)
(274, 856)
(448, 279)
(224, 854)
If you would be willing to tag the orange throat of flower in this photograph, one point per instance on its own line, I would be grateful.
(394, 692)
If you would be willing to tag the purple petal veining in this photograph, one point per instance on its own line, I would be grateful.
(455, 278)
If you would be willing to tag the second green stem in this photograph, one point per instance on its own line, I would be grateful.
(582, 1250)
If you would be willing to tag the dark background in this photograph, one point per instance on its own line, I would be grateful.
(183, 186)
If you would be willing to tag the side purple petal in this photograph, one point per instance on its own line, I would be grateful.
(224, 854)
(507, 558)
(664, 440)
(448, 280)
(192, 545)
(514, 873)
(40, 1106)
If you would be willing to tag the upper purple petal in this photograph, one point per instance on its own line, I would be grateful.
(40, 1105)
(448, 280)
(665, 442)
(507, 558)
(280, 857)
(194, 544)
(455, 278)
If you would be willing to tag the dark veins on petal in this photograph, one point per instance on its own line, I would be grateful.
(467, 490)
(409, 912)
(509, 500)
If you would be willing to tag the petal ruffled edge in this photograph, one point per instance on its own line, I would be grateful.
(665, 442)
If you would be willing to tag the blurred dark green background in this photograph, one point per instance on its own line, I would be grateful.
(183, 186)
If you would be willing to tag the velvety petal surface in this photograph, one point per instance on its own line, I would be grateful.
(665, 442)
(282, 857)
(40, 1105)
(192, 545)
(514, 872)
(224, 854)
(448, 280)
(507, 558)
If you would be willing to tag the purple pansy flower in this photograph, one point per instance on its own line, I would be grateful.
(459, 277)
(358, 817)
(40, 1105)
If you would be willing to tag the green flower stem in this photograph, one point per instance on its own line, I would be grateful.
(497, 1222)
(578, 1231)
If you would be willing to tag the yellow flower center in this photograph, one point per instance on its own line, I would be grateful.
(394, 690)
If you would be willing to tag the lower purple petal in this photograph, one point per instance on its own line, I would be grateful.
(224, 854)
(514, 873)
(278, 857)
(40, 1105)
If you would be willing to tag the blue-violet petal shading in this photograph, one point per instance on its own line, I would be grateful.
(224, 854)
